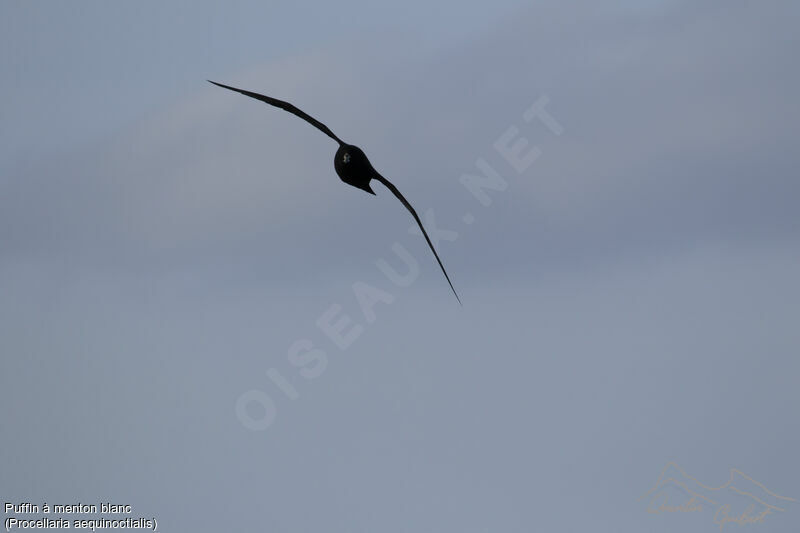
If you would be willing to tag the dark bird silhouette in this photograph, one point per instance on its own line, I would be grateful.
(351, 164)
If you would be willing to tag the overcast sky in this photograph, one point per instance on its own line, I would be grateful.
(199, 319)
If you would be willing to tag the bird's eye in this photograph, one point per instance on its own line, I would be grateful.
(346, 157)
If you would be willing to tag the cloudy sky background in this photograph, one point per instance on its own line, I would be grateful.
(630, 299)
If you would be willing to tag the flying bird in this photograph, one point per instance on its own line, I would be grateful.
(351, 164)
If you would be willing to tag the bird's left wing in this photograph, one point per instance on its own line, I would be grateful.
(413, 212)
(286, 106)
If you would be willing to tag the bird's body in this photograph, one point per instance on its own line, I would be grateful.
(353, 167)
(351, 164)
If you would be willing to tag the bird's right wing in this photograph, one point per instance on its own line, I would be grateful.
(286, 106)
(413, 212)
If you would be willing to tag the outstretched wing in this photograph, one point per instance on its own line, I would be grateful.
(286, 106)
(413, 212)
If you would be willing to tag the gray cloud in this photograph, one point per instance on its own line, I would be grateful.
(663, 147)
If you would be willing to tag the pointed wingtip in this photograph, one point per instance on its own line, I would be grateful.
(413, 212)
(456, 295)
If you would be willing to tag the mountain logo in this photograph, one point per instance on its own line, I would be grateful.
(741, 500)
